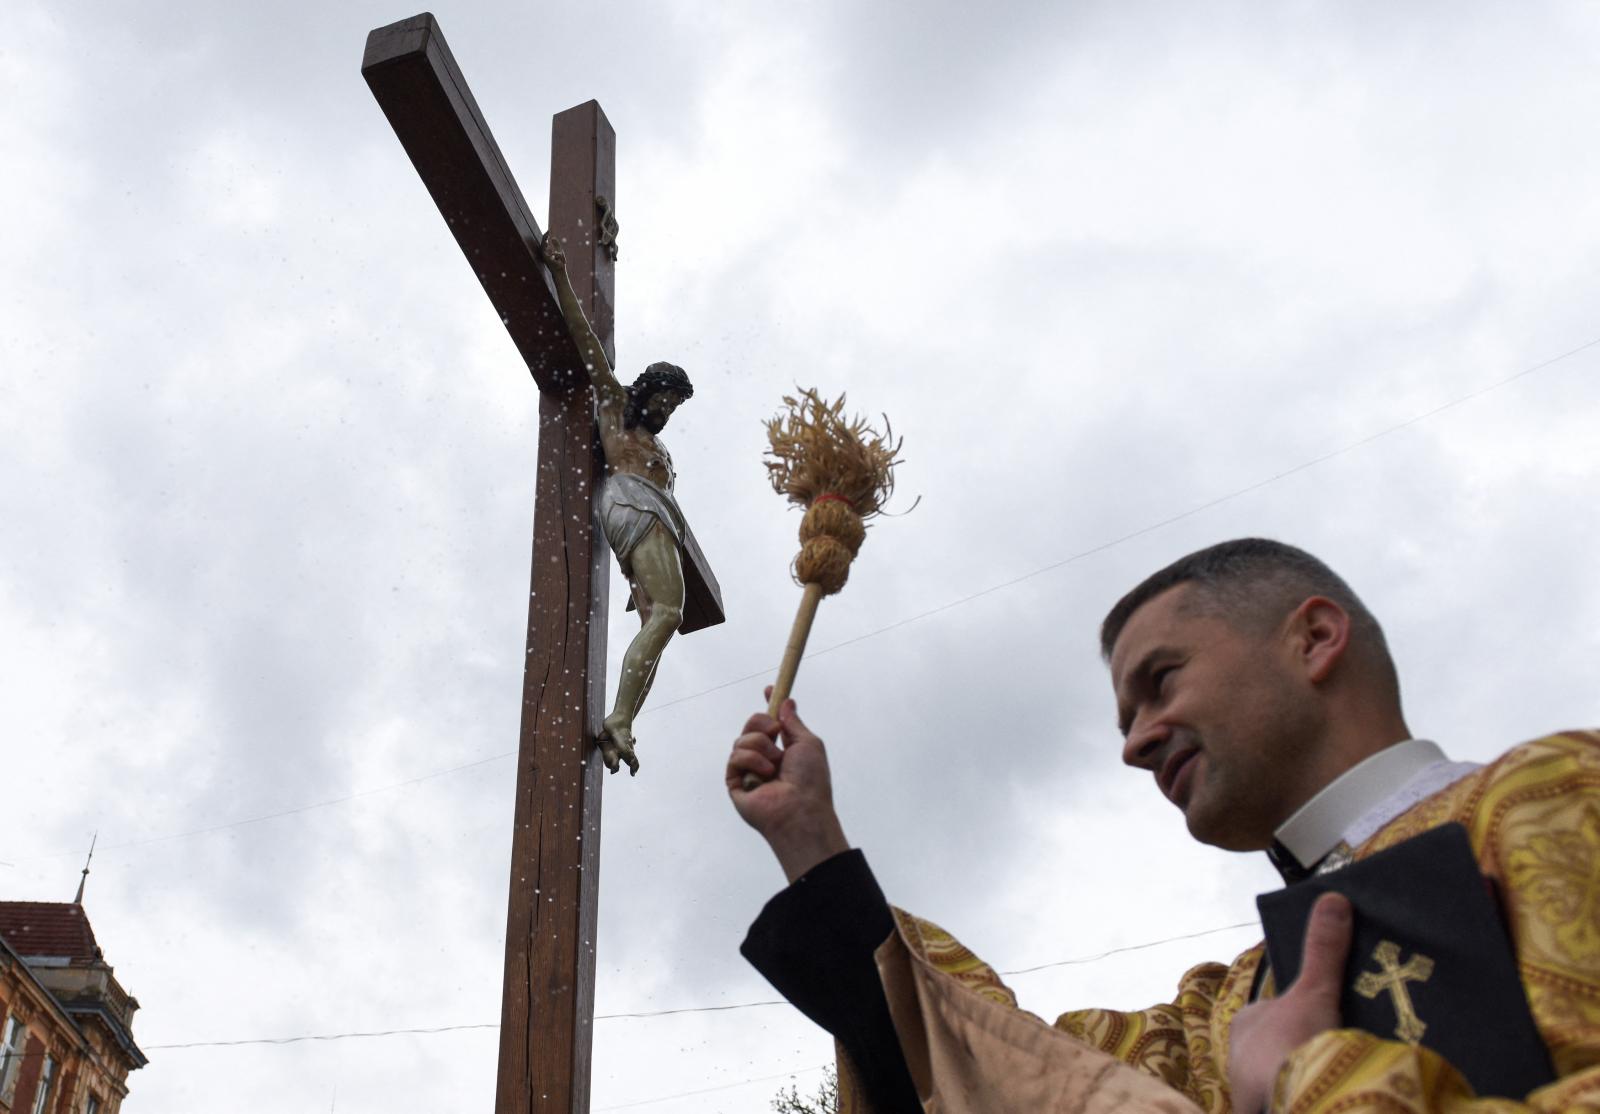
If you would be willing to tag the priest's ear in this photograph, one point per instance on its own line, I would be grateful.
(1318, 636)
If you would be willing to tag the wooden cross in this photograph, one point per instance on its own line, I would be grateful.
(548, 1003)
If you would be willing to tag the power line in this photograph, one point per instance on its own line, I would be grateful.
(321, 1037)
(921, 615)
(1080, 960)
(692, 1009)
(1132, 948)
(428, 1031)
(685, 1009)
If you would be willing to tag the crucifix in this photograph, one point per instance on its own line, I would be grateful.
(547, 1006)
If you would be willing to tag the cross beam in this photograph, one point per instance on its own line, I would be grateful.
(420, 89)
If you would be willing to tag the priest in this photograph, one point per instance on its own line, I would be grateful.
(1258, 691)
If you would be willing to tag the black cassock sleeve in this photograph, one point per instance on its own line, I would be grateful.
(814, 943)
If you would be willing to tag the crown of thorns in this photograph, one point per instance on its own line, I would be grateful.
(661, 377)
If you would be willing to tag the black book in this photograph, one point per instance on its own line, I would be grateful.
(1430, 961)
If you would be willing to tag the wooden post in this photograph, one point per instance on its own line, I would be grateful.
(546, 1019)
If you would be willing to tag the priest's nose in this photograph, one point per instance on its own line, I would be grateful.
(1142, 748)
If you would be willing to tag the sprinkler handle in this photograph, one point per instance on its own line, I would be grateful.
(795, 650)
(792, 653)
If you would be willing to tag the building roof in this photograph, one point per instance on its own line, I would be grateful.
(64, 932)
(48, 928)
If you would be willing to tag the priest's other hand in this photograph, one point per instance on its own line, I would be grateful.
(1265, 1033)
(793, 806)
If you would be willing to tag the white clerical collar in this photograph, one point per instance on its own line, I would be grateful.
(1367, 796)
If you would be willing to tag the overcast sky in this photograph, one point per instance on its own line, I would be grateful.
(1130, 278)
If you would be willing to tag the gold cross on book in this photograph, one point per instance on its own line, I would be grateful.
(1394, 978)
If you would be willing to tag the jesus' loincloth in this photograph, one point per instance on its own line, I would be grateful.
(629, 506)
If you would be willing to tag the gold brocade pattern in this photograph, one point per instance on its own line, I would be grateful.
(1534, 820)
(1558, 871)
(952, 957)
(1177, 1042)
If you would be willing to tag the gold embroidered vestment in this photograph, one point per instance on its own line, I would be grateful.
(1534, 820)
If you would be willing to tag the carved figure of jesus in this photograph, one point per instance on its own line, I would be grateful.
(637, 510)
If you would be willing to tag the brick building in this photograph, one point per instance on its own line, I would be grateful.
(66, 1024)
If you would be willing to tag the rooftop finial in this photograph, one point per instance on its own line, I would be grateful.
(92, 840)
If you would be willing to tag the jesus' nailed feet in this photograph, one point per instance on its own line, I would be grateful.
(616, 747)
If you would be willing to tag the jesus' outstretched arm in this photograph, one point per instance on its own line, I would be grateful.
(583, 335)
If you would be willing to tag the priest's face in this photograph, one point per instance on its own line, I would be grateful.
(1218, 714)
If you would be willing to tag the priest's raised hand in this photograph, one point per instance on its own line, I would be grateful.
(792, 808)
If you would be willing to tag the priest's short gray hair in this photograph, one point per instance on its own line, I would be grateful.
(1254, 583)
